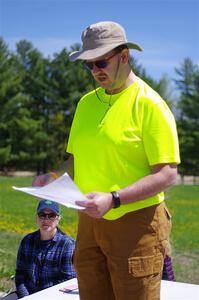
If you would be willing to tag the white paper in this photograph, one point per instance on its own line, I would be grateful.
(62, 190)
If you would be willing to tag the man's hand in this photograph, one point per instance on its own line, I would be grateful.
(67, 166)
(97, 205)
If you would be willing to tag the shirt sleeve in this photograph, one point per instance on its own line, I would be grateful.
(20, 276)
(67, 268)
(160, 135)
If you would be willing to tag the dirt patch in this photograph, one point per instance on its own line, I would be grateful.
(187, 180)
(18, 173)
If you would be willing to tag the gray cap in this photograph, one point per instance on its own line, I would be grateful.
(100, 38)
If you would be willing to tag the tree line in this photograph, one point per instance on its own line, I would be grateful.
(38, 97)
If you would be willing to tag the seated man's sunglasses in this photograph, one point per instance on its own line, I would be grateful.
(101, 64)
(50, 216)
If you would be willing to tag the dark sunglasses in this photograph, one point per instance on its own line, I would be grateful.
(50, 216)
(101, 64)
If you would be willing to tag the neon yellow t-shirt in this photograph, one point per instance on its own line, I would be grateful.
(115, 146)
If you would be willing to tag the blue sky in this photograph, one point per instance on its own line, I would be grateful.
(168, 30)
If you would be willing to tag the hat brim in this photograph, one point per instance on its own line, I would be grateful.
(97, 52)
(51, 209)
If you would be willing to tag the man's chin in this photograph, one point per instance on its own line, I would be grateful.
(104, 84)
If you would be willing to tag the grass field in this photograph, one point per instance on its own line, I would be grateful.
(17, 219)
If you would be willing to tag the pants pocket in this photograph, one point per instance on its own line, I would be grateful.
(164, 224)
(164, 230)
(145, 266)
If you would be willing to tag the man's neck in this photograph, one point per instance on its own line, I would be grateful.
(130, 79)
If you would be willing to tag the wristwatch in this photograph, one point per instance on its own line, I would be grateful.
(116, 199)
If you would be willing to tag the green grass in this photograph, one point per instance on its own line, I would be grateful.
(17, 211)
(183, 203)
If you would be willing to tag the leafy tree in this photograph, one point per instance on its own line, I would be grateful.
(188, 122)
(5, 82)
(162, 86)
(33, 69)
(68, 82)
(11, 101)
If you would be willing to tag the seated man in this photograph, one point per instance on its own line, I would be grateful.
(44, 256)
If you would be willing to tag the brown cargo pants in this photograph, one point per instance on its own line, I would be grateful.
(122, 259)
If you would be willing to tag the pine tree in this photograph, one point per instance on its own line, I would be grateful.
(188, 122)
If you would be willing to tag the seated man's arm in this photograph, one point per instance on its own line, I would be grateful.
(66, 267)
(20, 276)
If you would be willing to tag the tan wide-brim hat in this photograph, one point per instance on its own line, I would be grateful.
(100, 38)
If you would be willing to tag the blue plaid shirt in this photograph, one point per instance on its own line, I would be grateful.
(41, 264)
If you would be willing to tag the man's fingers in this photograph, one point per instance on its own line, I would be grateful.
(85, 203)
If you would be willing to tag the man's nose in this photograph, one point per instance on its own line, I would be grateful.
(95, 69)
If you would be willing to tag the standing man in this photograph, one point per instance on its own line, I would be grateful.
(44, 256)
(124, 154)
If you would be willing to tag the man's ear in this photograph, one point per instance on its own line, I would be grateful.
(125, 56)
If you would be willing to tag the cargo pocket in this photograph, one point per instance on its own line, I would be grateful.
(167, 212)
(164, 224)
(145, 266)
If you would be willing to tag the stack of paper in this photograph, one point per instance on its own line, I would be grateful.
(62, 190)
